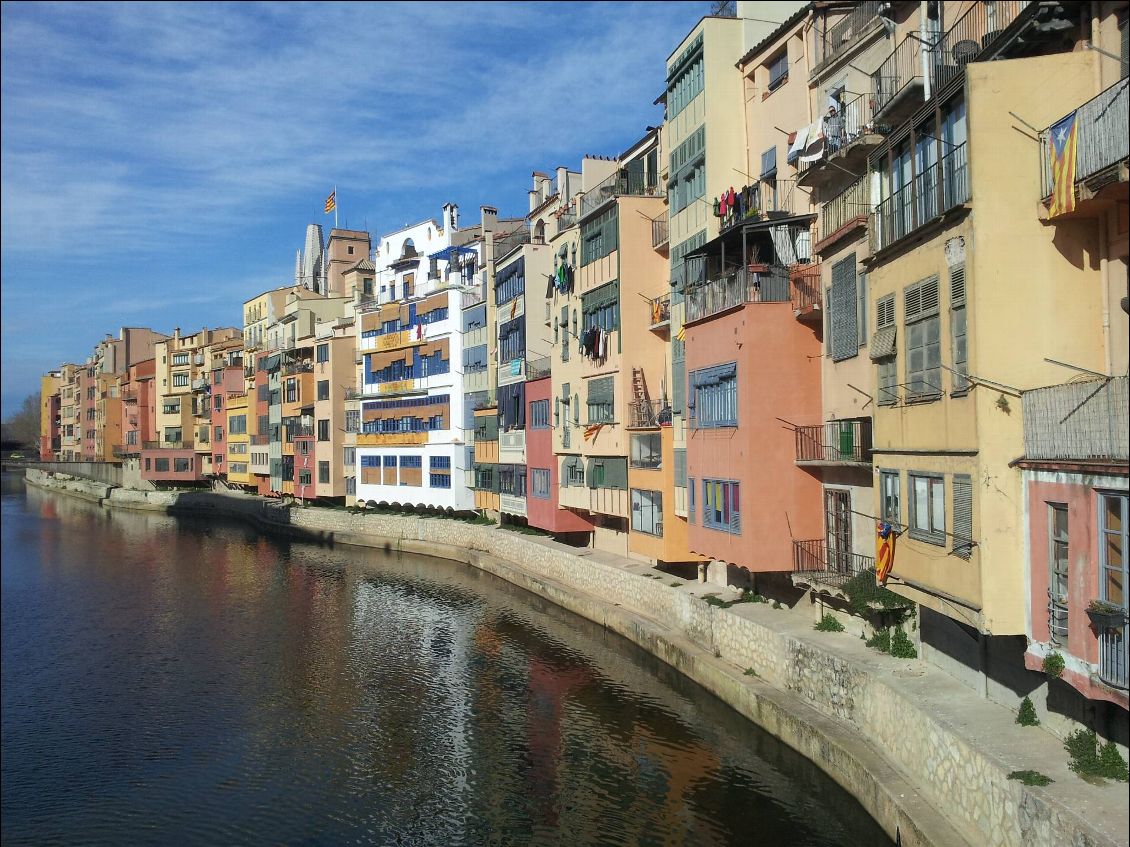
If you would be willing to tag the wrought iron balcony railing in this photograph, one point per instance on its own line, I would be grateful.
(850, 204)
(928, 195)
(834, 443)
(648, 414)
(832, 567)
(843, 33)
(660, 232)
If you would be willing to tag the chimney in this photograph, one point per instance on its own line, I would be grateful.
(489, 217)
(563, 183)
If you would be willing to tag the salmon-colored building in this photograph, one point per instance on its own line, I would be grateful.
(753, 367)
(543, 508)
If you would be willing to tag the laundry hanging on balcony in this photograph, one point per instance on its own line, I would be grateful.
(594, 343)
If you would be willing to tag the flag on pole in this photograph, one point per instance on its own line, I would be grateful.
(885, 536)
(682, 333)
(592, 430)
(1061, 144)
(331, 201)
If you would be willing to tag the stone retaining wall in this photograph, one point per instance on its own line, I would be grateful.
(898, 759)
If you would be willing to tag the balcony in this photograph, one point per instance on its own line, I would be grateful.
(199, 384)
(167, 445)
(804, 293)
(929, 195)
(898, 84)
(512, 447)
(844, 33)
(835, 444)
(1077, 422)
(660, 233)
(660, 313)
(848, 139)
(260, 440)
(564, 222)
(623, 183)
(756, 284)
(198, 359)
(1101, 149)
(512, 505)
(973, 33)
(537, 368)
(473, 297)
(1113, 656)
(648, 414)
(505, 243)
(814, 564)
(303, 367)
(845, 211)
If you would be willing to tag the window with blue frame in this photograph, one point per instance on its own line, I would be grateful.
(690, 500)
(512, 340)
(714, 392)
(370, 461)
(601, 307)
(539, 483)
(439, 480)
(510, 282)
(475, 318)
(434, 316)
(539, 414)
(411, 461)
(390, 461)
(439, 463)
(721, 506)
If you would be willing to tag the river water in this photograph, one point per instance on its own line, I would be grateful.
(185, 681)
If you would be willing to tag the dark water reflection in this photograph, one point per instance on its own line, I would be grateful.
(173, 681)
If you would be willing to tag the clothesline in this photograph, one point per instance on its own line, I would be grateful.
(902, 528)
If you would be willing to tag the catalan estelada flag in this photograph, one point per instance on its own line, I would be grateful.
(1061, 145)
(592, 430)
(682, 333)
(331, 201)
(885, 536)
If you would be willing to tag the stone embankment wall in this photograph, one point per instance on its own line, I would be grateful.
(886, 748)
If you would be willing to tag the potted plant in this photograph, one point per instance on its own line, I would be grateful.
(1106, 615)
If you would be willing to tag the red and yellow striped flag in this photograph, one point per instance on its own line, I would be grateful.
(885, 536)
(331, 201)
(592, 430)
(1061, 144)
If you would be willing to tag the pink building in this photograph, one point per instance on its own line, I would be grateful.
(222, 381)
(753, 368)
(1075, 471)
(543, 485)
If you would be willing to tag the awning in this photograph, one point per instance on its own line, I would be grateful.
(883, 343)
(448, 253)
(732, 237)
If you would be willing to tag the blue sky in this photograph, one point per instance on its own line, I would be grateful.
(160, 162)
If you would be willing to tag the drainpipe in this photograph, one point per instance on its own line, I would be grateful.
(1104, 220)
(928, 37)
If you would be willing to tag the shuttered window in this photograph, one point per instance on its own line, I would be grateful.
(680, 454)
(690, 500)
(721, 506)
(607, 472)
(678, 376)
(923, 339)
(565, 339)
(715, 393)
(599, 236)
(962, 516)
(600, 400)
(959, 344)
(861, 310)
(883, 350)
(844, 310)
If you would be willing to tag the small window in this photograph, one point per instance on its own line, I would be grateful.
(889, 506)
(322, 353)
(324, 429)
(323, 389)
(928, 508)
(721, 506)
(1057, 571)
(647, 451)
(539, 483)
(778, 70)
(324, 471)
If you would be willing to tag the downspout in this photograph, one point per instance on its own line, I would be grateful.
(1104, 220)
(925, 53)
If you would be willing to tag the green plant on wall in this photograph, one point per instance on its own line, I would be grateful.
(1031, 777)
(1053, 665)
(880, 641)
(1027, 714)
(864, 595)
(828, 623)
(902, 647)
(1092, 762)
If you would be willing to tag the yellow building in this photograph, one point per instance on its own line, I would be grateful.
(239, 421)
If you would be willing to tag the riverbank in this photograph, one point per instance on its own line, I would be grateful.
(902, 737)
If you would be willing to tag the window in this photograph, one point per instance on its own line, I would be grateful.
(883, 350)
(324, 429)
(715, 393)
(962, 516)
(647, 451)
(927, 508)
(237, 425)
(601, 400)
(349, 456)
(412, 461)
(843, 317)
(218, 402)
(161, 465)
(959, 345)
(601, 308)
(1114, 509)
(171, 408)
(323, 389)
(510, 281)
(1057, 572)
(304, 478)
(690, 500)
(647, 512)
(180, 358)
(172, 435)
(512, 480)
(183, 465)
(512, 340)
(218, 458)
(600, 235)
(923, 339)
(475, 318)
(217, 376)
(688, 172)
(889, 503)
(323, 473)
(180, 379)
(219, 433)
(370, 461)
(574, 471)
(685, 80)
(475, 359)
(539, 414)
(769, 164)
(439, 463)
(303, 448)
(322, 353)
(721, 507)
(778, 70)
(539, 483)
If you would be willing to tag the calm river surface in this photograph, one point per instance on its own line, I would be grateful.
(181, 681)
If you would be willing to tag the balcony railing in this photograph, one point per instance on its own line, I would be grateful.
(899, 75)
(298, 368)
(762, 284)
(843, 33)
(473, 297)
(506, 242)
(648, 414)
(853, 123)
(260, 440)
(936, 190)
(660, 232)
(851, 203)
(973, 33)
(620, 184)
(660, 311)
(804, 290)
(1080, 421)
(537, 368)
(1113, 657)
(168, 445)
(834, 443)
(813, 559)
(1101, 138)
(564, 222)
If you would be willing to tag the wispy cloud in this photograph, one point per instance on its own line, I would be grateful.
(165, 149)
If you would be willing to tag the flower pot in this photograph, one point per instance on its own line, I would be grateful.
(1103, 619)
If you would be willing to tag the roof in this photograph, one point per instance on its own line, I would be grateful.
(363, 265)
(785, 26)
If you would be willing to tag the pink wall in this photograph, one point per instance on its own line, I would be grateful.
(149, 466)
(545, 514)
(778, 361)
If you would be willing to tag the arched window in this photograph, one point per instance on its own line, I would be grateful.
(539, 233)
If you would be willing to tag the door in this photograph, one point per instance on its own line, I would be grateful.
(837, 523)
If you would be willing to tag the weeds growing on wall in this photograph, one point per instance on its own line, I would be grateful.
(1027, 714)
(1031, 777)
(828, 623)
(1092, 761)
(864, 595)
(1053, 665)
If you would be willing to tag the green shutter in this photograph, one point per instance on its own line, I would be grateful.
(599, 297)
(962, 516)
(601, 390)
(616, 473)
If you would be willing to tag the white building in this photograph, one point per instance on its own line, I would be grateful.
(411, 449)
